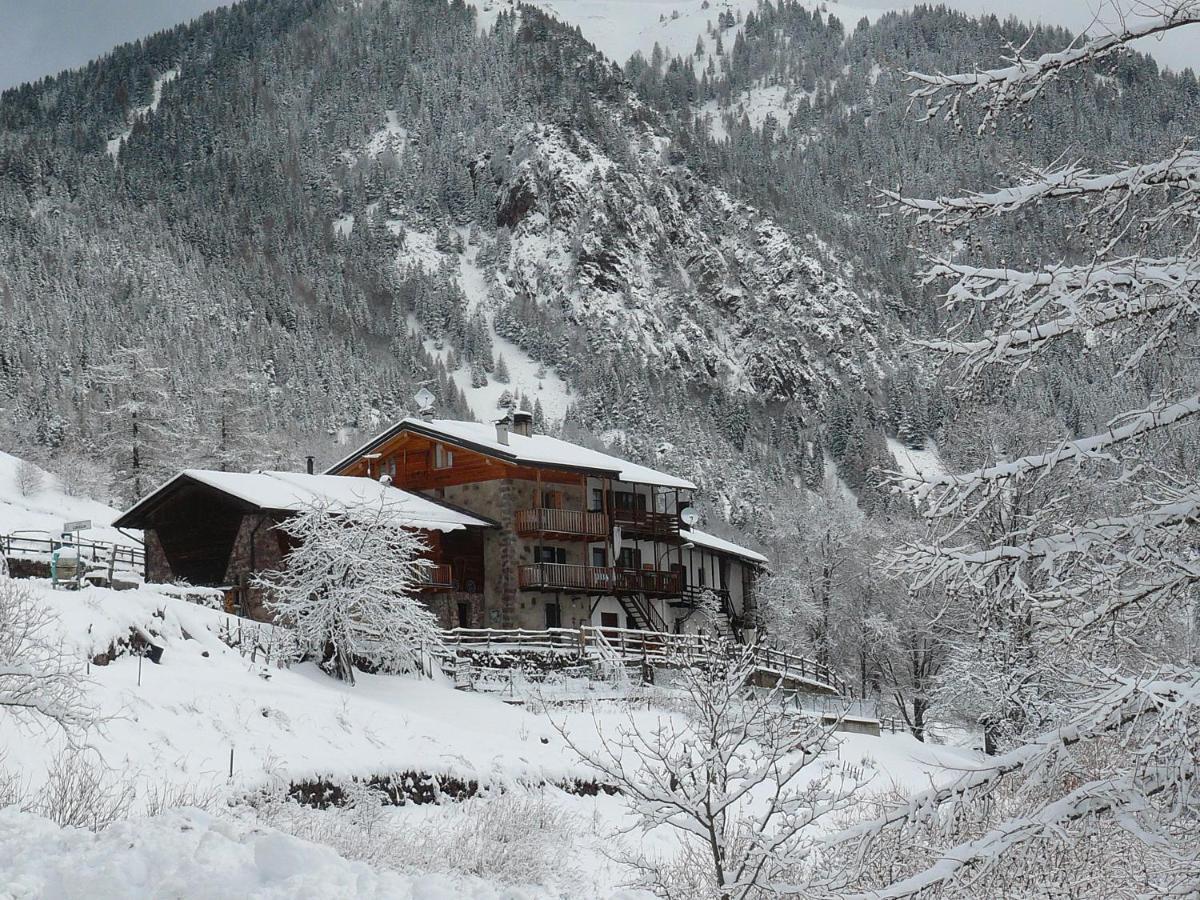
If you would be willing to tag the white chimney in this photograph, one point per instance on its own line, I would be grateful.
(502, 432)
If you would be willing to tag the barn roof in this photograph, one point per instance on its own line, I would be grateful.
(535, 450)
(293, 491)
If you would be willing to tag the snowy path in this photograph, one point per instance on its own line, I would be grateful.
(141, 112)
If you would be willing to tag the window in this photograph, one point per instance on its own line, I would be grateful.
(443, 458)
(552, 499)
(597, 500)
(629, 500)
(599, 557)
(550, 554)
(630, 558)
(609, 620)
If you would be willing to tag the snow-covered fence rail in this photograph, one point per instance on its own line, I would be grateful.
(633, 645)
(34, 545)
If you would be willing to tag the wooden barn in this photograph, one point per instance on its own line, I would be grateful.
(217, 529)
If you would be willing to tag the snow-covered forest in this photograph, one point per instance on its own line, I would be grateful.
(912, 298)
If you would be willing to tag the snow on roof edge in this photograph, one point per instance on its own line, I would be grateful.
(712, 542)
(547, 451)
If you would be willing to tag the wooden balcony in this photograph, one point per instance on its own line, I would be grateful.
(562, 523)
(644, 523)
(597, 579)
(437, 578)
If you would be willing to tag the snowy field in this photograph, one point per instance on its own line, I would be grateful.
(172, 736)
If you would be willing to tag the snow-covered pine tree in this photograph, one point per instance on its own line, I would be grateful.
(500, 373)
(1106, 591)
(349, 589)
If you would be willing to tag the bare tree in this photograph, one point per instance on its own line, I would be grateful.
(350, 588)
(40, 683)
(1102, 597)
(735, 774)
(30, 479)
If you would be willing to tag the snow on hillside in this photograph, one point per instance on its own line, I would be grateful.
(620, 28)
(46, 510)
(205, 700)
(175, 731)
(910, 462)
(141, 112)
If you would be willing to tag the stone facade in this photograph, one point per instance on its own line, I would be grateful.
(259, 547)
(157, 568)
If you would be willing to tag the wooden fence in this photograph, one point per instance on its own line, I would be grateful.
(632, 645)
(38, 544)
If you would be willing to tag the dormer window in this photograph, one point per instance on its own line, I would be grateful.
(443, 457)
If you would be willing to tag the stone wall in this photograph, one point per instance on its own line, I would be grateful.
(259, 547)
(158, 569)
(445, 607)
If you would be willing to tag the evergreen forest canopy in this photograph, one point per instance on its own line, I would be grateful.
(205, 246)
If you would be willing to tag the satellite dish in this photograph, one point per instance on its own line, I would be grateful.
(425, 399)
(689, 516)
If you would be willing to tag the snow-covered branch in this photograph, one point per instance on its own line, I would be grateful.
(1165, 709)
(1091, 297)
(39, 681)
(1014, 85)
(949, 493)
(1180, 171)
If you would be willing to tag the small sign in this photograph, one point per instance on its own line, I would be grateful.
(81, 525)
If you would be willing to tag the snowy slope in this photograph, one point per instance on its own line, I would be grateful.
(205, 699)
(188, 853)
(910, 462)
(141, 112)
(620, 28)
(48, 509)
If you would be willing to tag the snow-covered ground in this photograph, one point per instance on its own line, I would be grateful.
(206, 700)
(913, 463)
(141, 112)
(44, 512)
(175, 731)
(194, 854)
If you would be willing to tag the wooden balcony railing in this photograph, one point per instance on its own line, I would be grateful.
(437, 578)
(641, 521)
(597, 579)
(562, 521)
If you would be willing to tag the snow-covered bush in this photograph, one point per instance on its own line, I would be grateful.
(516, 836)
(349, 590)
(81, 792)
(40, 684)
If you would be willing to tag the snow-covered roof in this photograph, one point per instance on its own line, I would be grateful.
(294, 491)
(720, 545)
(537, 449)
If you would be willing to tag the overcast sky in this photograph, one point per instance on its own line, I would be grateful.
(41, 37)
